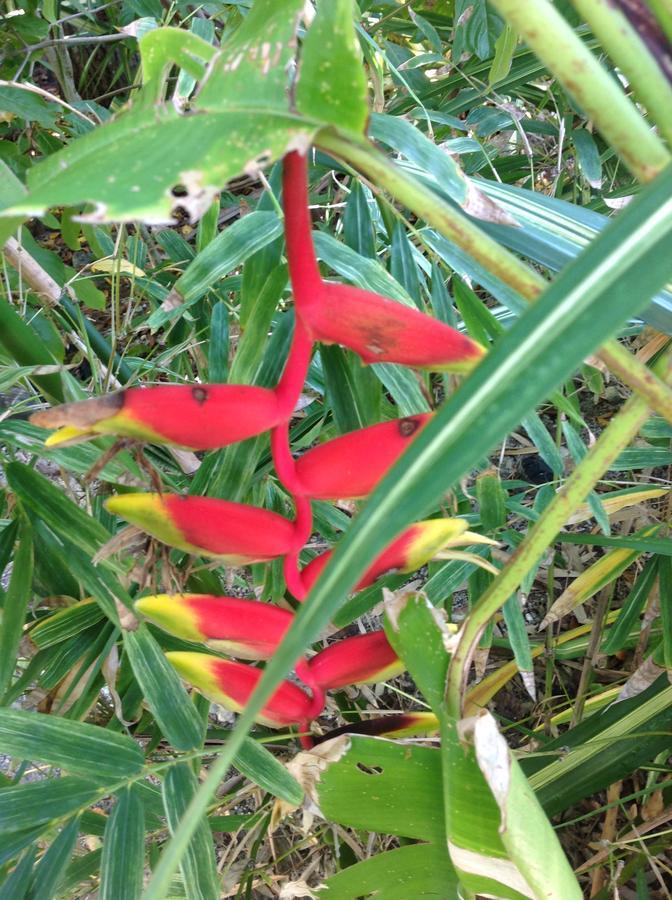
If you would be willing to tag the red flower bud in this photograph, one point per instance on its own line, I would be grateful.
(234, 532)
(361, 659)
(246, 629)
(350, 466)
(410, 551)
(395, 725)
(199, 417)
(231, 684)
(382, 330)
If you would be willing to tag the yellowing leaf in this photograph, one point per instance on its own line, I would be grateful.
(613, 504)
(595, 577)
(111, 264)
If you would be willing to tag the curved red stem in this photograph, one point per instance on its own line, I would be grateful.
(288, 388)
(303, 268)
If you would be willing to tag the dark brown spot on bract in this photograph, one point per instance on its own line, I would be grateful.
(407, 427)
(199, 394)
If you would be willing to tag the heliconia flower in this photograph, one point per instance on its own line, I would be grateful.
(382, 330)
(397, 725)
(247, 629)
(232, 683)
(351, 465)
(233, 532)
(410, 551)
(198, 417)
(362, 659)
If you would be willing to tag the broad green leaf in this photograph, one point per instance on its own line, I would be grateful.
(198, 865)
(28, 805)
(20, 342)
(15, 605)
(419, 870)
(419, 636)
(526, 833)
(251, 69)
(472, 823)
(332, 84)
(123, 860)
(162, 689)
(205, 152)
(379, 785)
(218, 356)
(51, 868)
(81, 749)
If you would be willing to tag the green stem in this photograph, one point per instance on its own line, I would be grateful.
(456, 226)
(615, 438)
(592, 87)
(663, 13)
(436, 212)
(632, 56)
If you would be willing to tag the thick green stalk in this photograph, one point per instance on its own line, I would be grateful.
(593, 88)
(452, 223)
(632, 56)
(615, 438)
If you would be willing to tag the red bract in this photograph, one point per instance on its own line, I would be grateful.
(350, 466)
(361, 659)
(199, 417)
(231, 684)
(382, 330)
(411, 550)
(247, 629)
(234, 532)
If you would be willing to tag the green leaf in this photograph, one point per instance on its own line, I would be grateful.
(400, 135)
(63, 516)
(416, 632)
(65, 623)
(357, 224)
(207, 151)
(588, 156)
(260, 766)
(28, 805)
(49, 873)
(230, 248)
(15, 605)
(505, 47)
(89, 750)
(198, 865)
(123, 860)
(251, 69)
(218, 354)
(526, 833)
(16, 886)
(402, 263)
(167, 699)
(419, 870)
(383, 786)
(332, 85)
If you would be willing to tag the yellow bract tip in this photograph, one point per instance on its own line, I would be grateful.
(170, 612)
(69, 434)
